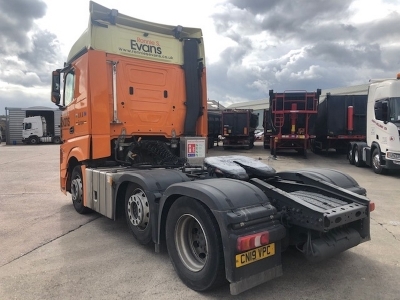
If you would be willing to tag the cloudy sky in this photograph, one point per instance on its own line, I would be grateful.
(252, 45)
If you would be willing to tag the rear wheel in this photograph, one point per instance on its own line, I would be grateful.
(350, 155)
(194, 245)
(357, 158)
(137, 212)
(376, 162)
(56, 140)
(77, 190)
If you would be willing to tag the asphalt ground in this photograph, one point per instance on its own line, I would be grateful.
(48, 251)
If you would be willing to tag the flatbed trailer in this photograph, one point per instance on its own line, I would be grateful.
(292, 114)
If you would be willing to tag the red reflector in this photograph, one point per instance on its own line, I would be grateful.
(371, 206)
(248, 242)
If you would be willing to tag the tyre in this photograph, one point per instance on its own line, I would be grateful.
(77, 191)
(350, 155)
(376, 162)
(357, 158)
(137, 212)
(194, 245)
(56, 140)
(33, 140)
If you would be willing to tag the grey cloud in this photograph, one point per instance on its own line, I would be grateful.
(35, 52)
(20, 98)
(307, 45)
(17, 19)
(385, 29)
(357, 55)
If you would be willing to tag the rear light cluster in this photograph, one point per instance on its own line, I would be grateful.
(248, 242)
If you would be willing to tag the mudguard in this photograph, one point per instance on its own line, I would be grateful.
(236, 205)
(314, 175)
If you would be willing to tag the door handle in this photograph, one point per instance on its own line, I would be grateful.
(71, 130)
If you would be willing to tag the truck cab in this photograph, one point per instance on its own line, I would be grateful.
(381, 150)
(33, 128)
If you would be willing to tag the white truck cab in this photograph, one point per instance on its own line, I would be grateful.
(381, 150)
(34, 131)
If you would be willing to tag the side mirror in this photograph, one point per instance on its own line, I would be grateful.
(55, 87)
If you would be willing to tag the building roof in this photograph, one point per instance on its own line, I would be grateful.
(214, 105)
(31, 108)
(254, 104)
(361, 89)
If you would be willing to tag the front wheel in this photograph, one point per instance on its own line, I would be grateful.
(137, 212)
(77, 190)
(376, 162)
(33, 140)
(194, 245)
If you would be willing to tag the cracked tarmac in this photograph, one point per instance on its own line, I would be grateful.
(48, 251)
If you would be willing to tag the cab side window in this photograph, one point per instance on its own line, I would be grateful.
(69, 88)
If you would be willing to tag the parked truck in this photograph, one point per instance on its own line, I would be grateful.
(238, 128)
(291, 116)
(214, 128)
(381, 147)
(341, 119)
(133, 96)
(35, 130)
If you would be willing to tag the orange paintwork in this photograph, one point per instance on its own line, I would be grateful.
(155, 108)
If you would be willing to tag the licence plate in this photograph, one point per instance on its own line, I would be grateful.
(254, 255)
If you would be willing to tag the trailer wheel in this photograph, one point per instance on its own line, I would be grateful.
(357, 159)
(137, 212)
(376, 162)
(194, 245)
(77, 191)
(33, 140)
(350, 155)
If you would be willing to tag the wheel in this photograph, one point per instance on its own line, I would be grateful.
(194, 245)
(350, 155)
(56, 140)
(33, 140)
(77, 191)
(376, 162)
(137, 212)
(357, 159)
